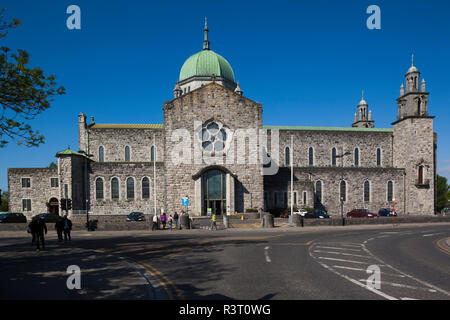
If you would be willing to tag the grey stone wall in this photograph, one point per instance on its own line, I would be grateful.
(123, 170)
(115, 140)
(211, 101)
(414, 146)
(40, 191)
(323, 142)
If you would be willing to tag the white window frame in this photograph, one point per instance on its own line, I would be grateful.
(95, 184)
(23, 208)
(110, 189)
(57, 181)
(21, 182)
(126, 188)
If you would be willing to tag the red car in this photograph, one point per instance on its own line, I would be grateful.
(360, 213)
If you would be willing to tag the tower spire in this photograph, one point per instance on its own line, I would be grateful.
(412, 60)
(205, 40)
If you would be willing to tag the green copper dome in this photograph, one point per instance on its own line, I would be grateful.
(206, 63)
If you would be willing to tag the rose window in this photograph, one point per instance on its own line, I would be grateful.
(213, 137)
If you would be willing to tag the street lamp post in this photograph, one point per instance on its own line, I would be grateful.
(393, 212)
(342, 179)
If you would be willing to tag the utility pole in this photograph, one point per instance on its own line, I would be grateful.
(154, 173)
(291, 155)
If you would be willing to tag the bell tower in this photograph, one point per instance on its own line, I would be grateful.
(363, 117)
(414, 145)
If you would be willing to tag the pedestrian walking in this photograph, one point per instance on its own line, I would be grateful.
(38, 228)
(155, 222)
(59, 227)
(213, 220)
(30, 229)
(175, 218)
(170, 222)
(67, 225)
(163, 220)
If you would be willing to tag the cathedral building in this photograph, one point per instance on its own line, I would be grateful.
(213, 149)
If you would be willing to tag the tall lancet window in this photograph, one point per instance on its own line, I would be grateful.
(127, 153)
(311, 156)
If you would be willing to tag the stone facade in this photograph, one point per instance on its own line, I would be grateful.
(214, 130)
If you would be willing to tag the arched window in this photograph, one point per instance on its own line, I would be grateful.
(366, 191)
(418, 107)
(333, 157)
(99, 188)
(305, 199)
(343, 191)
(152, 154)
(311, 156)
(390, 191)
(287, 155)
(127, 153)
(101, 154)
(356, 156)
(130, 188)
(114, 188)
(318, 191)
(145, 188)
(378, 157)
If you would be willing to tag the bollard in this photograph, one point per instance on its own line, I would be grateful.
(267, 221)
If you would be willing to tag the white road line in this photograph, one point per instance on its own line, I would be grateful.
(399, 285)
(349, 268)
(266, 254)
(432, 234)
(342, 260)
(338, 248)
(344, 254)
(378, 292)
(365, 270)
(406, 298)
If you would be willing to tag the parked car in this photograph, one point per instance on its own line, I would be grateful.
(49, 217)
(360, 213)
(6, 217)
(386, 212)
(136, 216)
(445, 211)
(315, 214)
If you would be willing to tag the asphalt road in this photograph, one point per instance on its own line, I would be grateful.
(247, 264)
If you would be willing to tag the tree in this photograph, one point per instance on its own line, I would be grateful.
(4, 205)
(52, 165)
(24, 93)
(442, 189)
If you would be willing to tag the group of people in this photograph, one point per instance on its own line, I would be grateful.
(164, 220)
(38, 228)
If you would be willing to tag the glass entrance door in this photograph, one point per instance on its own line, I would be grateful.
(214, 192)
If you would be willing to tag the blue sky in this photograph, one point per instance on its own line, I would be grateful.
(305, 61)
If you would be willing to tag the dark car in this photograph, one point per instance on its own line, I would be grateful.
(360, 213)
(49, 217)
(6, 217)
(385, 212)
(136, 216)
(316, 214)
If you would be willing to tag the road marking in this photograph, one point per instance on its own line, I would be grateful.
(399, 285)
(432, 234)
(406, 298)
(266, 253)
(343, 253)
(324, 247)
(378, 292)
(443, 249)
(342, 260)
(349, 268)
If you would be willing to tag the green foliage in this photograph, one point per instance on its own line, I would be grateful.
(24, 93)
(442, 189)
(4, 205)
(52, 165)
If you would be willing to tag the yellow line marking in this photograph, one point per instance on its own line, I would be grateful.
(441, 247)
(155, 273)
